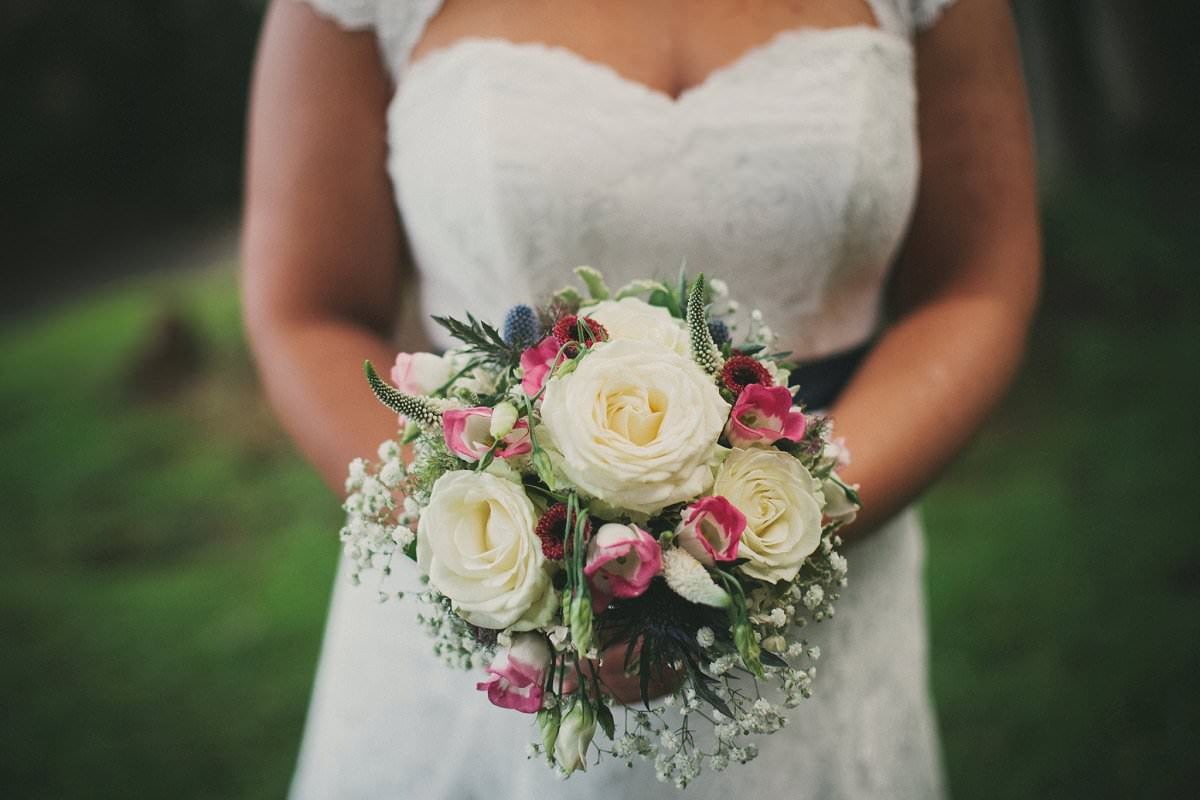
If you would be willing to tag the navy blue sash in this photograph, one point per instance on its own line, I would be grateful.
(819, 382)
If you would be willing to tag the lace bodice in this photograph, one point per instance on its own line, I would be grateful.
(791, 171)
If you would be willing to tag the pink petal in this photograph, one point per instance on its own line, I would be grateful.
(536, 363)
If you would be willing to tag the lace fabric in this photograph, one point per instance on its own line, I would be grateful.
(513, 160)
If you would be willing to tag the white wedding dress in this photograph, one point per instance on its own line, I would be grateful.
(791, 173)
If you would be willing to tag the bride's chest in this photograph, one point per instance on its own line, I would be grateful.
(813, 130)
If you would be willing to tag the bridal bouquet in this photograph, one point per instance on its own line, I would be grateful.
(612, 476)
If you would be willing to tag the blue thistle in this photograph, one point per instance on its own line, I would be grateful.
(719, 332)
(521, 327)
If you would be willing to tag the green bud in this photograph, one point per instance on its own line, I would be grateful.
(748, 649)
(566, 367)
(580, 617)
(545, 469)
(548, 721)
(504, 416)
(576, 732)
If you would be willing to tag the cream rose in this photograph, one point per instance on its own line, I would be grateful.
(782, 503)
(476, 543)
(635, 425)
(636, 320)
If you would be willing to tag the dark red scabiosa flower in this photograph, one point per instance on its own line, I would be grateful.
(552, 530)
(741, 371)
(566, 331)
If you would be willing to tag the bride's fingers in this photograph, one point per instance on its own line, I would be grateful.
(626, 688)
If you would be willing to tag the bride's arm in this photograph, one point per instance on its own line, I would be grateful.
(966, 283)
(322, 249)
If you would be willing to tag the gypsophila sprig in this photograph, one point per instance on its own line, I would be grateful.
(523, 439)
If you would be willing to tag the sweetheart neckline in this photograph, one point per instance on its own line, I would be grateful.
(714, 77)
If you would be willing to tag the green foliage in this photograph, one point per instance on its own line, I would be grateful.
(594, 282)
(165, 565)
(481, 338)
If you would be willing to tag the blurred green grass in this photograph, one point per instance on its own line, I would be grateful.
(168, 558)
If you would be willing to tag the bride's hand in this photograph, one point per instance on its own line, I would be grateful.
(626, 688)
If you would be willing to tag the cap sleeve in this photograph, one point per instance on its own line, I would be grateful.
(398, 24)
(926, 13)
(353, 15)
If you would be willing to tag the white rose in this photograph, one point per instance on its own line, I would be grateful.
(635, 425)
(636, 320)
(476, 542)
(782, 503)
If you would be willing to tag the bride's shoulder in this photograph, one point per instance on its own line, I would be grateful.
(908, 16)
(397, 24)
(354, 15)
(924, 13)
(378, 14)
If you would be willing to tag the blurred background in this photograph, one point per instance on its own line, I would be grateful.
(167, 558)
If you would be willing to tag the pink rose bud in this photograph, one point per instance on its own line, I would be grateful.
(468, 434)
(536, 363)
(622, 560)
(762, 415)
(711, 529)
(420, 373)
(518, 673)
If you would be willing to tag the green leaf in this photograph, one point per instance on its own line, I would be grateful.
(664, 299)
(640, 286)
(604, 717)
(771, 659)
(594, 282)
(482, 338)
(700, 682)
(568, 296)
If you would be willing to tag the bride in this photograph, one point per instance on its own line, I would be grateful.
(859, 170)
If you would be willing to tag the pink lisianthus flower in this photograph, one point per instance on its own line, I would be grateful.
(468, 434)
(419, 373)
(711, 530)
(536, 363)
(517, 674)
(763, 415)
(621, 561)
